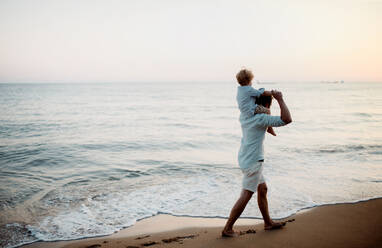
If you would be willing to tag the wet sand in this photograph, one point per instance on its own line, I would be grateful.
(340, 225)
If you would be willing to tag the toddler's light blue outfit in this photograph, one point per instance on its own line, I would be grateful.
(245, 100)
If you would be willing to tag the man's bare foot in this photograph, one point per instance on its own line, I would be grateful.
(229, 234)
(274, 225)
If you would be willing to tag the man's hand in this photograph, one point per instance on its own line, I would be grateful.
(277, 94)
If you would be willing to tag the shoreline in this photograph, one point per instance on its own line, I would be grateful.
(173, 231)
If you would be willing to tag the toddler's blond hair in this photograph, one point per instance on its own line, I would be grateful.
(244, 77)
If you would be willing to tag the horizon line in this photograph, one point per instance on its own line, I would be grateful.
(189, 81)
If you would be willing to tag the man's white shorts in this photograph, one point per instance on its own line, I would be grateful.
(253, 176)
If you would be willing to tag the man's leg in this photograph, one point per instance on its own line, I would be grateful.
(236, 211)
(263, 205)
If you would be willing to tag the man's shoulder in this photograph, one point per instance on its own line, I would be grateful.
(253, 119)
(261, 120)
(271, 120)
(264, 116)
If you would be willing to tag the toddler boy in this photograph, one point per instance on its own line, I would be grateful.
(246, 94)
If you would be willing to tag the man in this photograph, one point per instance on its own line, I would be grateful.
(251, 158)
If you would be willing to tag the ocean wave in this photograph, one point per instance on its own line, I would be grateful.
(334, 149)
(181, 125)
(143, 146)
(41, 162)
(349, 148)
(362, 114)
(18, 154)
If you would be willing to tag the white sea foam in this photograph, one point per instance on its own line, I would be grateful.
(204, 196)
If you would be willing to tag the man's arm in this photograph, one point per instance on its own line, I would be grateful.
(284, 111)
(267, 93)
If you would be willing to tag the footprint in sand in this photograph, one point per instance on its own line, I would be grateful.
(179, 238)
(143, 237)
(247, 232)
(94, 246)
(150, 243)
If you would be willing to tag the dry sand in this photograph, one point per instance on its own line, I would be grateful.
(342, 225)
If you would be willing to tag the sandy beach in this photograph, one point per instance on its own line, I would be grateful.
(341, 225)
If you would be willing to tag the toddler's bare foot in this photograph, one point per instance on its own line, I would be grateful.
(271, 131)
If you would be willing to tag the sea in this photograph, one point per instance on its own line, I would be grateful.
(88, 159)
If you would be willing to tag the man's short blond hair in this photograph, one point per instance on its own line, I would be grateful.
(244, 77)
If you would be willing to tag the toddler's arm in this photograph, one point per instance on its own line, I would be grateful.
(256, 93)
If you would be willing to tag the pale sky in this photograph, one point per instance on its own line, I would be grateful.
(176, 40)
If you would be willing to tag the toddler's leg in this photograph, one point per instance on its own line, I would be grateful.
(263, 110)
(271, 131)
